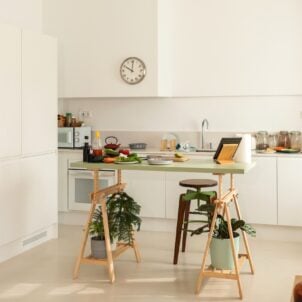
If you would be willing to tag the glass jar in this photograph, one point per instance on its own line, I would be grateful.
(283, 139)
(295, 140)
(272, 141)
(262, 140)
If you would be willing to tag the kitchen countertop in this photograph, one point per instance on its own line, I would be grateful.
(194, 165)
(155, 151)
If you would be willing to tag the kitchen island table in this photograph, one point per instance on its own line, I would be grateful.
(224, 198)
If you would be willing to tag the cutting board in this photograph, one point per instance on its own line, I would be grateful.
(180, 159)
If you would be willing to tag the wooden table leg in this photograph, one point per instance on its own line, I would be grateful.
(107, 240)
(200, 276)
(136, 250)
(235, 256)
(84, 242)
(245, 241)
(101, 196)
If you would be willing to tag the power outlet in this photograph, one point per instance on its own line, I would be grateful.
(84, 114)
(301, 114)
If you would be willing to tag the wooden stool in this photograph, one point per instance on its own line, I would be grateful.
(184, 211)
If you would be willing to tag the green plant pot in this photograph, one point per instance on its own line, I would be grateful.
(221, 253)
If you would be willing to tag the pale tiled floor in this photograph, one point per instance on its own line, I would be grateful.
(45, 273)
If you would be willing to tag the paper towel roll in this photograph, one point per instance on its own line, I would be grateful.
(244, 153)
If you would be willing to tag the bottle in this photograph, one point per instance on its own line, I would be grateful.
(86, 150)
(97, 144)
(68, 119)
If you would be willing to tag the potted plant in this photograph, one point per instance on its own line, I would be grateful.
(96, 230)
(220, 248)
(123, 218)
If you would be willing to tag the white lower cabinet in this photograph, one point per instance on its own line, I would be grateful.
(173, 190)
(148, 189)
(290, 191)
(12, 219)
(38, 188)
(28, 190)
(258, 192)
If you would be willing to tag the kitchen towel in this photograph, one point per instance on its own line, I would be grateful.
(244, 153)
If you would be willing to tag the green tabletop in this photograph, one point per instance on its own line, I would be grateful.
(192, 165)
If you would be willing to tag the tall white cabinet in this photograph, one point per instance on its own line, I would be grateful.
(10, 91)
(28, 156)
(39, 93)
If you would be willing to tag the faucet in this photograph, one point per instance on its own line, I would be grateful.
(204, 123)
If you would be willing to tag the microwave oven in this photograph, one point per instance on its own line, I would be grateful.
(73, 137)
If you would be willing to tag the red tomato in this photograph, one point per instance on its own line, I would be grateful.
(125, 151)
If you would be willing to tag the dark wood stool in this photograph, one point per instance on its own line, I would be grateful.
(184, 211)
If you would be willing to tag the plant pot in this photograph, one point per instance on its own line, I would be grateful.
(98, 248)
(221, 252)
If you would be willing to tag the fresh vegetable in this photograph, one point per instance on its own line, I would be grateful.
(124, 151)
(109, 160)
(111, 152)
(279, 148)
(132, 157)
(178, 155)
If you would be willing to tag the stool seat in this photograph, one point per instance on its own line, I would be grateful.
(198, 183)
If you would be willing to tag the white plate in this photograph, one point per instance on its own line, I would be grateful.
(126, 162)
(159, 161)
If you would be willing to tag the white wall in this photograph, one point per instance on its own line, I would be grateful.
(22, 13)
(237, 47)
(185, 114)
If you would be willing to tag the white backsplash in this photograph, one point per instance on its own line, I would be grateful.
(153, 138)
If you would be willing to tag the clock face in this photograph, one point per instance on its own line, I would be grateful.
(133, 70)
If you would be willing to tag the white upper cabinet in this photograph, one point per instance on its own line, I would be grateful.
(191, 48)
(10, 91)
(39, 93)
(96, 37)
(223, 48)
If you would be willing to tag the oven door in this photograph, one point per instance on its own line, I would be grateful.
(80, 185)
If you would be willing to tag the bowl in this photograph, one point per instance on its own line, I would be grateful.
(139, 146)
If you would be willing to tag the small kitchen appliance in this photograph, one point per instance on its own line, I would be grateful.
(73, 137)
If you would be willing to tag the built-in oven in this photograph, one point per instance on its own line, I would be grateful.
(81, 184)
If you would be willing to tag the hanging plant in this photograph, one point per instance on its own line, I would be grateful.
(124, 213)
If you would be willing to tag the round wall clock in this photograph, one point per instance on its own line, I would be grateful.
(133, 70)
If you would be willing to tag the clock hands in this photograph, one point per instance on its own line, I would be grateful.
(132, 65)
(129, 68)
